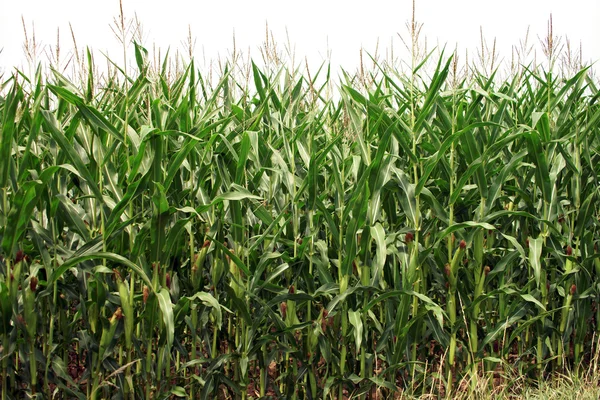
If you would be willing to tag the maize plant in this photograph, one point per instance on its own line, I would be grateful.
(167, 235)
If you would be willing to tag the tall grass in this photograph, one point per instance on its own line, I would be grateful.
(163, 235)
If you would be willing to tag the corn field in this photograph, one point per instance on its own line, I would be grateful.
(257, 238)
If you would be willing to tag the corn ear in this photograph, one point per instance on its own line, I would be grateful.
(109, 334)
(29, 307)
(128, 314)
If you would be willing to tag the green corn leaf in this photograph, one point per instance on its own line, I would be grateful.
(71, 154)
(242, 159)
(356, 321)
(9, 131)
(93, 116)
(166, 309)
(542, 174)
(378, 234)
(535, 255)
(408, 199)
(502, 326)
(359, 206)
(209, 300)
(19, 217)
(73, 261)
(5, 308)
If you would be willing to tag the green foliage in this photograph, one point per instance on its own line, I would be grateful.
(161, 237)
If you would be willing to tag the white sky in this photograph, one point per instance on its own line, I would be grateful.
(313, 26)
